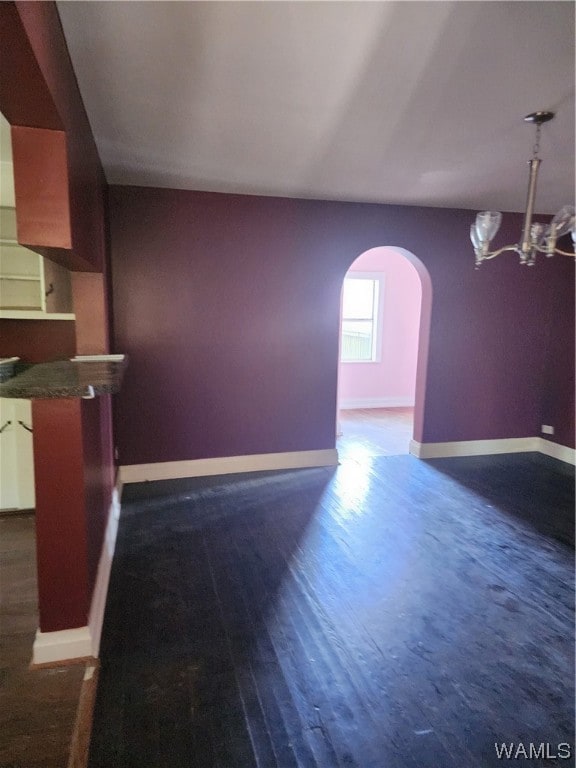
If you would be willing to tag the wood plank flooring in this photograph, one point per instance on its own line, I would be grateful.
(369, 432)
(38, 707)
(389, 613)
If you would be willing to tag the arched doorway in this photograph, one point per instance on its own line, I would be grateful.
(384, 330)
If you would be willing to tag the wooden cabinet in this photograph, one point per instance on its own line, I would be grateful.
(31, 287)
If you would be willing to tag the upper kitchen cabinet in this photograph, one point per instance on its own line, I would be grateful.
(34, 180)
(31, 287)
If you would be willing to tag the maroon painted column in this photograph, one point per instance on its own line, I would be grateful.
(61, 531)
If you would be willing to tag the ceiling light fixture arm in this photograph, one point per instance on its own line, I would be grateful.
(558, 252)
(536, 237)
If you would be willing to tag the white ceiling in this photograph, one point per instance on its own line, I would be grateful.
(398, 102)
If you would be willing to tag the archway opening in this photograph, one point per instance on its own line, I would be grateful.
(384, 330)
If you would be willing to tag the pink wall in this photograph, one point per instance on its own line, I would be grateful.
(392, 380)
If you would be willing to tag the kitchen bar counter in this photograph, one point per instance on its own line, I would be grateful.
(66, 378)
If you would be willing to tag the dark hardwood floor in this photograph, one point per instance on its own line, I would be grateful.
(38, 707)
(389, 613)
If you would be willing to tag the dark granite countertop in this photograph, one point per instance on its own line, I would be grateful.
(65, 378)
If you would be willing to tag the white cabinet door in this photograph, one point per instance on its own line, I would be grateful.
(16, 455)
(9, 496)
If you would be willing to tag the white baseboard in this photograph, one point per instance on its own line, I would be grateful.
(557, 451)
(473, 447)
(63, 645)
(349, 404)
(96, 615)
(170, 470)
(492, 447)
(81, 642)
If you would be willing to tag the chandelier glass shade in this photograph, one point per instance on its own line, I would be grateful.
(536, 237)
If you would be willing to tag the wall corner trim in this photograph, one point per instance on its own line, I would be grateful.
(96, 615)
(557, 451)
(169, 470)
(493, 447)
(83, 642)
(62, 645)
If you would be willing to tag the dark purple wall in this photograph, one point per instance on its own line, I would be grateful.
(228, 307)
(558, 365)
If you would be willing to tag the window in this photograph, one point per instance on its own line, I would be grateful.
(361, 304)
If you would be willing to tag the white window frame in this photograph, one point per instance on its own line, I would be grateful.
(377, 277)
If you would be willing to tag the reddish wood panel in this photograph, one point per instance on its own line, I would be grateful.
(86, 177)
(38, 341)
(89, 295)
(63, 591)
(98, 475)
(32, 105)
(38, 89)
(41, 186)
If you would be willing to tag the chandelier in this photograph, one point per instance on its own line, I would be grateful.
(536, 237)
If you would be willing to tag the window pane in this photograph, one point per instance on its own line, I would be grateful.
(358, 298)
(357, 339)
